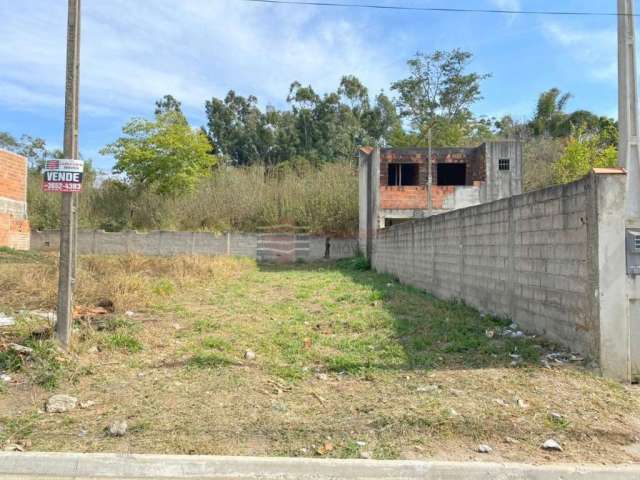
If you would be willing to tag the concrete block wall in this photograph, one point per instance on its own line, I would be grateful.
(14, 225)
(532, 258)
(167, 243)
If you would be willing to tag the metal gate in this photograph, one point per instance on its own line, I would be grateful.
(283, 244)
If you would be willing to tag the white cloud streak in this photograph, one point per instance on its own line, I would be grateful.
(134, 52)
(595, 48)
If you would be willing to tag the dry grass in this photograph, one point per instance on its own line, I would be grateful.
(348, 361)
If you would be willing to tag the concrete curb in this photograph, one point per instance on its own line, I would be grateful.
(85, 466)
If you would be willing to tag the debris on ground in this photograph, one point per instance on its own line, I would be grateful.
(366, 455)
(6, 321)
(249, 355)
(87, 404)
(521, 403)
(484, 448)
(556, 417)
(61, 403)
(106, 304)
(4, 377)
(428, 389)
(552, 445)
(129, 313)
(117, 428)
(307, 343)
(81, 312)
(322, 376)
(564, 357)
(500, 402)
(490, 333)
(511, 440)
(324, 449)
(13, 447)
(48, 315)
(21, 349)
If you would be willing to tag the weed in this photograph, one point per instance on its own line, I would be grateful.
(210, 360)
(163, 286)
(358, 262)
(215, 343)
(10, 361)
(46, 368)
(123, 341)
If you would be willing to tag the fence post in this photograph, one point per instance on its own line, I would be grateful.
(228, 244)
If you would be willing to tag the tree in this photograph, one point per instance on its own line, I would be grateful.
(550, 113)
(438, 90)
(166, 154)
(168, 104)
(583, 152)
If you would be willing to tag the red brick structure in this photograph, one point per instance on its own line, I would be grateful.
(14, 225)
(395, 187)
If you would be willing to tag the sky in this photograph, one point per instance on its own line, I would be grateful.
(134, 52)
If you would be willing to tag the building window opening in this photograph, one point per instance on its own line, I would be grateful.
(403, 174)
(452, 174)
(504, 164)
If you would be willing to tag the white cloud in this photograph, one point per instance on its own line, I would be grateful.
(595, 48)
(134, 52)
(507, 4)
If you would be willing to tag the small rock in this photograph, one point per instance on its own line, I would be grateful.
(61, 403)
(551, 444)
(129, 313)
(511, 440)
(483, 448)
(453, 413)
(93, 349)
(87, 404)
(521, 403)
(14, 447)
(6, 321)
(360, 443)
(117, 428)
(366, 455)
(5, 378)
(322, 376)
(556, 417)
(176, 326)
(82, 433)
(250, 355)
(21, 349)
(500, 402)
(428, 389)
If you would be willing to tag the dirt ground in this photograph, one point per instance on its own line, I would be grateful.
(348, 363)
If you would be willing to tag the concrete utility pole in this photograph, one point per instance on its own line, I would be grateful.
(66, 278)
(628, 147)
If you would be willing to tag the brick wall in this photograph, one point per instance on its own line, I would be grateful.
(529, 258)
(403, 197)
(14, 226)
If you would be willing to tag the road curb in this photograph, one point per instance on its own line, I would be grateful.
(81, 466)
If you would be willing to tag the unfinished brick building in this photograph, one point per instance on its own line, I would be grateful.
(14, 226)
(395, 181)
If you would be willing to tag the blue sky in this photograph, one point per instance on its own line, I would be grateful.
(133, 52)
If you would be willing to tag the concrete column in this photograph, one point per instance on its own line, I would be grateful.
(628, 149)
(608, 199)
(368, 198)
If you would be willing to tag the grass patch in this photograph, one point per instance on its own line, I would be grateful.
(343, 356)
(123, 341)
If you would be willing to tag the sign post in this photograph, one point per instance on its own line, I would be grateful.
(65, 180)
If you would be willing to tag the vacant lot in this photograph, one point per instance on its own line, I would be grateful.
(347, 363)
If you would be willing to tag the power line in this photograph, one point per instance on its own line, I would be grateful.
(440, 9)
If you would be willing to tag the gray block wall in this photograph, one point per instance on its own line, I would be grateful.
(168, 243)
(532, 258)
